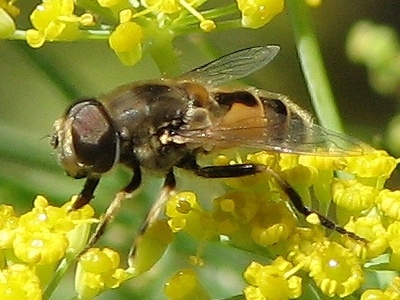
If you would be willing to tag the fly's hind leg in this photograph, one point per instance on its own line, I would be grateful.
(152, 215)
(305, 211)
(251, 169)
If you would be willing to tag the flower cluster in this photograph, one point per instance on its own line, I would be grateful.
(130, 26)
(37, 245)
(255, 213)
(55, 20)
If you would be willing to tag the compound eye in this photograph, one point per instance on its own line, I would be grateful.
(94, 137)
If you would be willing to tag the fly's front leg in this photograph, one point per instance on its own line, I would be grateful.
(166, 192)
(251, 169)
(114, 207)
(87, 192)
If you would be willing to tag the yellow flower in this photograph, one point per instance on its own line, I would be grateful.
(392, 292)
(97, 271)
(126, 39)
(42, 237)
(185, 214)
(173, 8)
(8, 224)
(273, 223)
(19, 282)
(185, 285)
(39, 247)
(375, 294)
(393, 236)
(377, 164)
(389, 203)
(335, 270)
(238, 213)
(257, 13)
(46, 218)
(353, 195)
(51, 224)
(275, 281)
(372, 230)
(323, 163)
(302, 243)
(55, 20)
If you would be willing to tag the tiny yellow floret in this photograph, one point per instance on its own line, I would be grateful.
(313, 219)
(257, 13)
(353, 195)
(125, 40)
(207, 25)
(389, 203)
(19, 282)
(97, 270)
(54, 20)
(275, 281)
(371, 229)
(335, 270)
(185, 285)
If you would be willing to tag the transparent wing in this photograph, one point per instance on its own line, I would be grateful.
(294, 138)
(233, 66)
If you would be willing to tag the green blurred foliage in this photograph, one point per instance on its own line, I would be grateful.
(376, 47)
(37, 85)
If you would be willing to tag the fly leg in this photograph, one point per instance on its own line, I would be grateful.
(152, 215)
(86, 194)
(114, 207)
(305, 211)
(251, 169)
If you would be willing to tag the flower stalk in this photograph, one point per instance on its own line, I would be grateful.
(313, 67)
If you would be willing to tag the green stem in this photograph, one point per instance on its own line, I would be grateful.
(188, 19)
(313, 66)
(163, 52)
(59, 274)
(220, 11)
(18, 35)
(99, 34)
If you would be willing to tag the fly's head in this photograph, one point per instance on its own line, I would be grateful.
(86, 140)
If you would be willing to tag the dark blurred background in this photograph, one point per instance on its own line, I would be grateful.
(37, 85)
